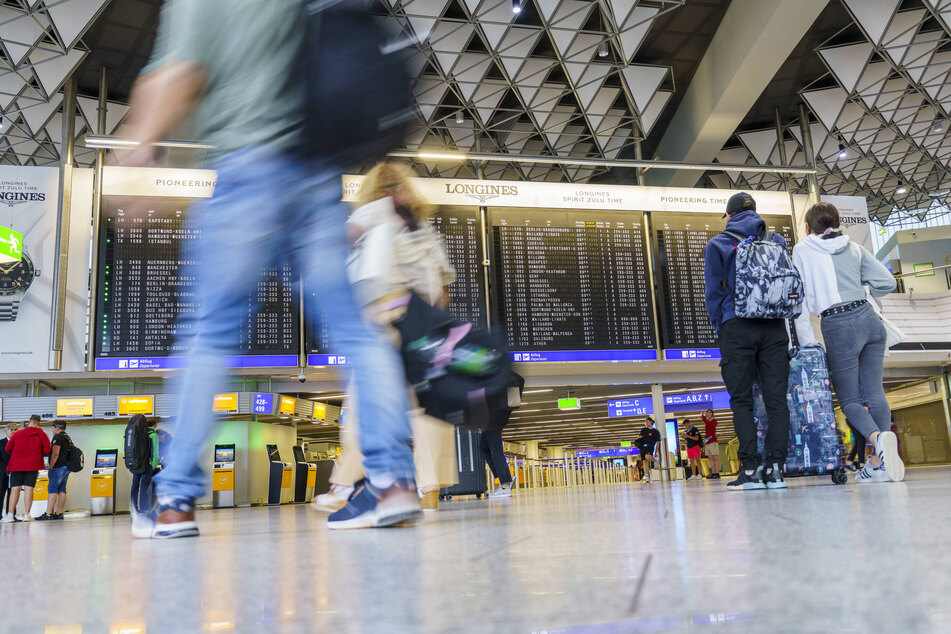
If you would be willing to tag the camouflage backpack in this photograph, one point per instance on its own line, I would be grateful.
(767, 284)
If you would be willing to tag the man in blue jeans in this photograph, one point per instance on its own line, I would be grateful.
(58, 473)
(231, 65)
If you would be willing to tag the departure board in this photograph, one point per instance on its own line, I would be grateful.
(460, 229)
(147, 299)
(572, 281)
(679, 243)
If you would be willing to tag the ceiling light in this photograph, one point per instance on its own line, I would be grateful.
(901, 189)
(537, 391)
(516, 6)
(603, 49)
(460, 117)
(843, 154)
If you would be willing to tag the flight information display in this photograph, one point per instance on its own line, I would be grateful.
(679, 243)
(573, 286)
(147, 300)
(460, 229)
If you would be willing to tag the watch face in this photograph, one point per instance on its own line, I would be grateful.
(16, 277)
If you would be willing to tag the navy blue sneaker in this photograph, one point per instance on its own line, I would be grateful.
(175, 518)
(748, 481)
(370, 507)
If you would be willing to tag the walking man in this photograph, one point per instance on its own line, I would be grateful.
(232, 65)
(749, 348)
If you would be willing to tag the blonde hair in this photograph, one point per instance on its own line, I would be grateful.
(381, 180)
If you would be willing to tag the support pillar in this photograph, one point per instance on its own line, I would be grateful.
(61, 263)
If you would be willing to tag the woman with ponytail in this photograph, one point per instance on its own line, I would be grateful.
(835, 273)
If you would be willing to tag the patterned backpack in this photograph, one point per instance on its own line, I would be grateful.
(768, 285)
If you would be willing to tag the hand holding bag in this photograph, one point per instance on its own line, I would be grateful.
(893, 334)
(370, 262)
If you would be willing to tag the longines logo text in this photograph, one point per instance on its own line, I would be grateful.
(482, 193)
(17, 192)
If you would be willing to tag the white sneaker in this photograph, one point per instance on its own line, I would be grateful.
(886, 446)
(142, 526)
(501, 492)
(333, 500)
(7, 519)
(868, 474)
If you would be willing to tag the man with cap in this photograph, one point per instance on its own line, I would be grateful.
(749, 348)
(58, 473)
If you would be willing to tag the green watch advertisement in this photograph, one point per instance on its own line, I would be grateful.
(11, 245)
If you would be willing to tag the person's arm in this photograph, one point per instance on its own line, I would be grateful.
(9, 447)
(874, 275)
(47, 448)
(803, 323)
(54, 455)
(713, 276)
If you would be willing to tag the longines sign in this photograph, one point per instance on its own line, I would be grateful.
(441, 191)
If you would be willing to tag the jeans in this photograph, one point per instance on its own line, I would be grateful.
(142, 497)
(752, 348)
(855, 350)
(491, 445)
(267, 207)
(57, 480)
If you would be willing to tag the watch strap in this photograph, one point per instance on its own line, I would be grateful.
(8, 309)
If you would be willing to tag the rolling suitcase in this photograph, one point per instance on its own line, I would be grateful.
(814, 446)
(471, 466)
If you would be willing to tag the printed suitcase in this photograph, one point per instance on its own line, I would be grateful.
(471, 466)
(814, 447)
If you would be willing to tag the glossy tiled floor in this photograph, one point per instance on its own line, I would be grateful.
(629, 558)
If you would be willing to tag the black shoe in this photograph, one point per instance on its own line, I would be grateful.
(44, 517)
(773, 477)
(56, 516)
(748, 482)
(716, 476)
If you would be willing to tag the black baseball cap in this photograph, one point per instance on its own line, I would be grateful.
(60, 423)
(736, 202)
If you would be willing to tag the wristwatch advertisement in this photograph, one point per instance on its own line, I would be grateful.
(29, 206)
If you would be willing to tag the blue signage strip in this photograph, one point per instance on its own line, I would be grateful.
(692, 353)
(172, 363)
(688, 402)
(584, 355)
(318, 360)
(263, 404)
(613, 452)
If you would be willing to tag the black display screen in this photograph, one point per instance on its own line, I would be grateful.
(679, 243)
(572, 280)
(146, 295)
(460, 228)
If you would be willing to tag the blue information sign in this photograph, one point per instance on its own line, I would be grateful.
(171, 363)
(692, 353)
(688, 402)
(319, 360)
(612, 452)
(584, 355)
(263, 404)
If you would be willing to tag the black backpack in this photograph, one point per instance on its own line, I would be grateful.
(459, 375)
(138, 447)
(75, 460)
(357, 101)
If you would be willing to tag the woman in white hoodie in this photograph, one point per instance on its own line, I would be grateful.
(835, 273)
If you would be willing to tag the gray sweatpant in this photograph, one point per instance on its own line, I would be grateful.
(855, 349)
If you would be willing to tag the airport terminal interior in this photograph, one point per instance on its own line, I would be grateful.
(570, 160)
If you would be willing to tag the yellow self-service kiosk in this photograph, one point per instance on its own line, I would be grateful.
(102, 483)
(41, 492)
(222, 486)
(305, 479)
(278, 477)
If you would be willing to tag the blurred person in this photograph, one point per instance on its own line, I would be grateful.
(647, 444)
(711, 443)
(26, 449)
(4, 478)
(231, 66)
(856, 458)
(58, 473)
(835, 274)
(748, 348)
(490, 443)
(732, 454)
(419, 264)
(694, 442)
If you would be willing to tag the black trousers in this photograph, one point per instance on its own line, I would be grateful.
(857, 454)
(4, 491)
(752, 348)
(491, 446)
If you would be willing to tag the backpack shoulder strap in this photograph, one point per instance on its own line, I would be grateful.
(736, 236)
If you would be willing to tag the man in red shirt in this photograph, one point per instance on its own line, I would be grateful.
(26, 448)
(712, 448)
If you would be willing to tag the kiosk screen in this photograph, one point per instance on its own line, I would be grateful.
(224, 454)
(107, 460)
(273, 454)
